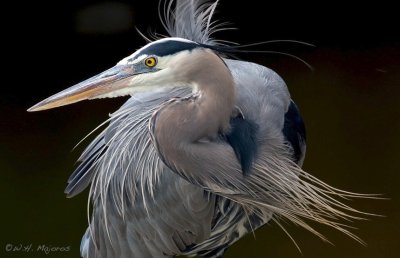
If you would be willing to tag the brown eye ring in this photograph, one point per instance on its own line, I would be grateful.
(150, 62)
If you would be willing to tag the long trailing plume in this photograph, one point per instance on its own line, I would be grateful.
(277, 183)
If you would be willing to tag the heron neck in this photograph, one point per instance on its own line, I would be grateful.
(184, 129)
(213, 102)
(207, 111)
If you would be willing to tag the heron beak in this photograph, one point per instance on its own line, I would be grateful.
(108, 81)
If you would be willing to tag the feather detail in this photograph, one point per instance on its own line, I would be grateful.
(192, 20)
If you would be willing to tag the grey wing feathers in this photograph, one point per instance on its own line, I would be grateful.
(83, 174)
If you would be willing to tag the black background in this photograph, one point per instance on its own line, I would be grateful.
(349, 102)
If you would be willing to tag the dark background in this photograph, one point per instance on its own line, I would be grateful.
(349, 103)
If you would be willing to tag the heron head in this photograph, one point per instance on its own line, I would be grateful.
(162, 63)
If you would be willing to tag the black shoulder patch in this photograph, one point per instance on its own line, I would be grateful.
(168, 47)
(242, 138)
(294, 130)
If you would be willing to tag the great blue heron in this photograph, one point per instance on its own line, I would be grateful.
(206, 150)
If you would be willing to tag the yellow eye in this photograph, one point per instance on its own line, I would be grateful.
(150, 61)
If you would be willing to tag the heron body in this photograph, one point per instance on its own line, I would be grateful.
(206, 150)
(181, 217)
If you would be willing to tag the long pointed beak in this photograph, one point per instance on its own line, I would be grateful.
(108, 81)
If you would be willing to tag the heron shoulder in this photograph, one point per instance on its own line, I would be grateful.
(257, 82)
(261, 94)
(264, 98)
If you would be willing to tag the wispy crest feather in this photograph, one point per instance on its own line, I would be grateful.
(191, 19)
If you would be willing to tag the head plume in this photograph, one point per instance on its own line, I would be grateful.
(191, 19)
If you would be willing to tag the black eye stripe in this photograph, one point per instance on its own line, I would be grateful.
(166, 48)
